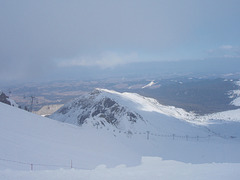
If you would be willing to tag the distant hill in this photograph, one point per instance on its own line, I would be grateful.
(203, 96)
(48, 109)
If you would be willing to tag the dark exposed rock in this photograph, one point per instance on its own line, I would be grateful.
(132, 116)
(95, 113)
(82, 118)
(4, 98)
(64, 110)
(108, 102)
(111, 119)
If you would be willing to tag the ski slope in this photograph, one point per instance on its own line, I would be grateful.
(29, 138)
(51, 148)
(153, 168)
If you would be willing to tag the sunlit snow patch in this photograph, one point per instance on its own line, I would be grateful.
(149, 84)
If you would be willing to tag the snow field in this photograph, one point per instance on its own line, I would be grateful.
(30, 138)
(105, 153)
(153, 168)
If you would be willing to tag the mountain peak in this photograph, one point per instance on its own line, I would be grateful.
(98, 108)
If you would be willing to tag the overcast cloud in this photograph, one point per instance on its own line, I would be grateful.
(37, 37)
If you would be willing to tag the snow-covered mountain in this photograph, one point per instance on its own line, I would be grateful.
(5, 99)
(99, 109)
(132, 112)
(125, 111)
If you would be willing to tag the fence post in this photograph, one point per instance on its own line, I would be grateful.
(71, 164)
(31, 167)
(187, 137)
(173, 136)
(148, 135)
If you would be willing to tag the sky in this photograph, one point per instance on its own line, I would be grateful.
(41, 37)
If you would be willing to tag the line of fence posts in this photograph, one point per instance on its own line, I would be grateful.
(174, 136)
(148, 132)
(31, 165)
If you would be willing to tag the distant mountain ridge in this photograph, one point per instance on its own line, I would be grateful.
(48, 109)
(127, 112)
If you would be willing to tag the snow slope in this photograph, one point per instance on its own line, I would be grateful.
(173, 133)
(29, 138)
(50, 146)
(151, 168)
(235, 95)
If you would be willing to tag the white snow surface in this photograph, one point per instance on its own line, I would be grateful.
(236, 102)
(153, 168)
(179, 145)
(30, 138)
(151, 105)
(235, 94)
(149, 84)
(162, 123)
(12, 102)
(228, 116)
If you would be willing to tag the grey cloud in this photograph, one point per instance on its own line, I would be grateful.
(38, 35)
(103, 60)
(61, 28)
(225, 51)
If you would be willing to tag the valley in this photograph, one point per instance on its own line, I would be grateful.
(200, 95)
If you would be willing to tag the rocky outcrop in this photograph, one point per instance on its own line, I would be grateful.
(4, 98)
(97, 108)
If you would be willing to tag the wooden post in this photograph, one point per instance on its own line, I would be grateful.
(148, 135)
(71, 164)
(31, 167)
